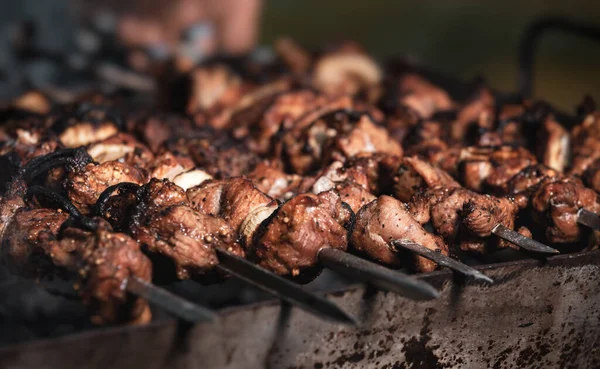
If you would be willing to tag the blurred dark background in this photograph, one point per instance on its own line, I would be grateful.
(464, 38)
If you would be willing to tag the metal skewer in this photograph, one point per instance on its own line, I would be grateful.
(522, 241)
(442, 260)
(376, 275)
(282, 288)
(170, 302)
(588, 219)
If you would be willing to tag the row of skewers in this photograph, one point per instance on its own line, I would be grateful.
(279, 170)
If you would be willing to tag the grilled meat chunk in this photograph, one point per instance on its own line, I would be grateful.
(121, 147)
(291, 239)
(555, 204)
(422, 96)
(463, 218)
(490, 168)
(85, 186)
(522, 186)
(591, 176)
(585, 143)
(268, 178)
(165, 225)
(553, 145)
(384, 220)
(414, 174)
(229, 199)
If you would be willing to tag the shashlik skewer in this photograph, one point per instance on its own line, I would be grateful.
(198, 243)
(91, 255)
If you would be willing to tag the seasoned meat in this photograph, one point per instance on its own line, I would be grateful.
(85, 186)
(522, 186)
(108, 259)
(347, 73)
(555, 204)
(273, 181)
(478, 112)
(462, 217)
(491, 168)
(422, 96)
(292, 238)
(84, 124)
(415, 174)
(29, 234)
(585, 143)
(384, 220)
(553, 145)
(591, 176)
(166, 225)
(229, 199)
(212, 87)
(337, 136)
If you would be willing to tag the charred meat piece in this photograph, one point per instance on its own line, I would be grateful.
(478, 113)
(290, 240)
(463, 218)
(166, 226)
(337, 136)
(85, 186)
(385, 220)
(522, 186)
(415, 174)
(490, 168)
(553, 147)
(29, 235)
(271, 180)
(555, 204)
(422, 96)
(585, 143)
(85, 123)
(591, 176)
(231, 199)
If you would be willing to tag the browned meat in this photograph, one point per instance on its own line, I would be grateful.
(213, 87)
(422, 96)
(591, 176)
(524, 184)
(415, 174)
(85, 186)
(268, 178)
(165, 225)
(347, 72)
(462, 217)
(292, 238)
(478, 112)
(85, 124)
(556, 203)
(29, 234)
(585, 143)
(490, 168)
(106, 261)
(229, 199)
(553, 145)
(219, 157)
(337, 136)
(384, 220)
(167, 166)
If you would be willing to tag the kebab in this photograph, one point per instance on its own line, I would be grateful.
(107, 263)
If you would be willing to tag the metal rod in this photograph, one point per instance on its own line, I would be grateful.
(282, 288)
(170, 302)
(588, 219)
(442, 260)
(522, 241)
(383, 278)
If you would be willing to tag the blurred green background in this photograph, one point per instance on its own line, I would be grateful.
(465, 38)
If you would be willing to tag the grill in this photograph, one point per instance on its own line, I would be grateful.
(539, 313)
